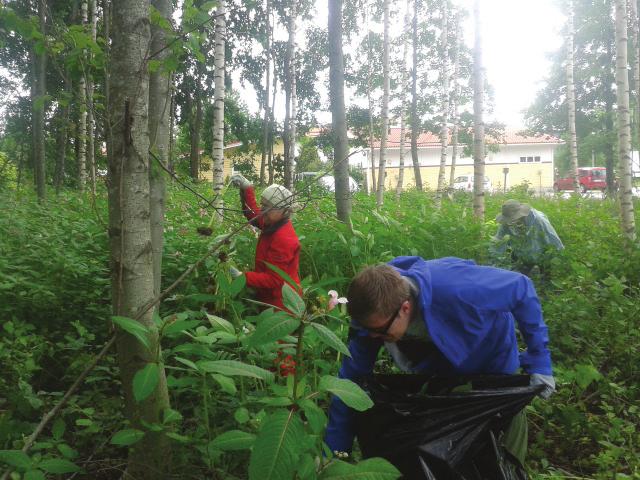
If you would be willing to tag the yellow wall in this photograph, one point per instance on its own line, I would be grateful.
(206, 171)
(207, 174)
(539, 175)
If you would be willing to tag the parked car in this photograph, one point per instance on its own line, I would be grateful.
(329, 182)
(590, 178)
(465, 183)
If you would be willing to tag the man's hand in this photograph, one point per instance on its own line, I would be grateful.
(235, 273)
(547, 380)
(238, 180)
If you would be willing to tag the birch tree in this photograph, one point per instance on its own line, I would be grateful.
(370, 103)
(218, 108)
(635, 29)
(624, 122)
(415, 121)
(455, 100)
(478, 122)
(403, 97)
(338, 115)
(444, 80)
(130, 236)
(291, 133)
(265, 126)
(571, 100)
(81, 132)
(38, 93)
(385, 109)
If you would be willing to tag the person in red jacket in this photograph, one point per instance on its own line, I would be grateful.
(278, 243)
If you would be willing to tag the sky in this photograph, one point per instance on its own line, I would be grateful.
(518, 36)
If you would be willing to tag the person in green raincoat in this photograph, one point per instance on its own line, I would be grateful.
(525, 236)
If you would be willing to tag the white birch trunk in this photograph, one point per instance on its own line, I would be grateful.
(370, 103)
(444, 78)
(91, 122)
(130, 232)
(635, 27)
(82, 115)
(456, 98)
(265, 126)
(571, 101)
(415, 121)
(478, 121)
(38, 109)
(218, 109)
(624, 123)
(385, 109)
(403, 99)
(292, 85)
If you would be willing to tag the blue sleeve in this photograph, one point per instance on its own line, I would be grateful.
(550, 235)
(340, 429)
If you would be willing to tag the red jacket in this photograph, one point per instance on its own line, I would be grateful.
(278, 245)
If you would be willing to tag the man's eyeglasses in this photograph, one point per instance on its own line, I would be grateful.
(384, 329)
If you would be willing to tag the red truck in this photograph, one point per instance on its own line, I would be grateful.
(590, 178)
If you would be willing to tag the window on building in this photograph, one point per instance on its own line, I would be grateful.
(536, 159)
(529, 159)
(523, 159)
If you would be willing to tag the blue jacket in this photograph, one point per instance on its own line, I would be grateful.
(469, 311)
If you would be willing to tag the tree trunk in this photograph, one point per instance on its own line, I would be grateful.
(265, 126)
(81, 133)
(91, 124)
(635, 27)
(291, 160)
(38, 108)
(172, 121)
(478, 122)
(130, 232)
(106, 16)
(63, 137)
(403, 99)
(415, 121)
(271, 129)
(218, 109)
(624, 126)
(195, 125)
(444, 129)
(338, 115)
(610, 154)
(385, 109)
(159, 132)
(571, 101)
(456, 99)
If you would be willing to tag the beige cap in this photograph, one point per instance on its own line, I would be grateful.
(512, 211)
(277, 196)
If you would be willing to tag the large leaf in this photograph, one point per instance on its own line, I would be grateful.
(179, 326)
(237, 285)
(371, 469)
(233, 440)
(330, 338)
(292, 300)
(145, 381)
(235, 368)
(275, 452)
(586, 374)
(58, 466)
(350, 393)
(219, 323)
(15, 458)
(315, 415)
(133, 327)
(284, 275)
(227, 384)
(272, 328)
(126, 437)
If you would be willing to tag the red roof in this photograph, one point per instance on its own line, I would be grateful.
(429, 139)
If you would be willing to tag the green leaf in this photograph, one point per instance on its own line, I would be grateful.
(276, 449)
(315, 415)
(233, 440)
(227, 384)
(306, 467)
(237, 285)
(170, 415)
(370, 469)
(133, 327)
(34, 475)
(15, 458)
(241, 415)
(57, 431)
(235, 368)
(126, 437)
(187, 362)
(219, 323)
(272, 328)
(145, 381)
(177, 437)
(67, 451)
(350, 393)
(179, 326)
(586, 374)
(292, 300)
(58, 466)
(330, 338)
(284, 275)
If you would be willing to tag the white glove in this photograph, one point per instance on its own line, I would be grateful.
(238, 180)
(547, 380)
(235, 273)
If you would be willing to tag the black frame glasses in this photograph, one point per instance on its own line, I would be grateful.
(384, 329)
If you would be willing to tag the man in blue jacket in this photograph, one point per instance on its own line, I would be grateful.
(443, 317)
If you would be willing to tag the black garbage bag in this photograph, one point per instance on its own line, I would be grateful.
(444, 429)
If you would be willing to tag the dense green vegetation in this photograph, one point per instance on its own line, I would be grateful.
(54, 284)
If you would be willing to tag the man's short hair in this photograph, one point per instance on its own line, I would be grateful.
(377, 289)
